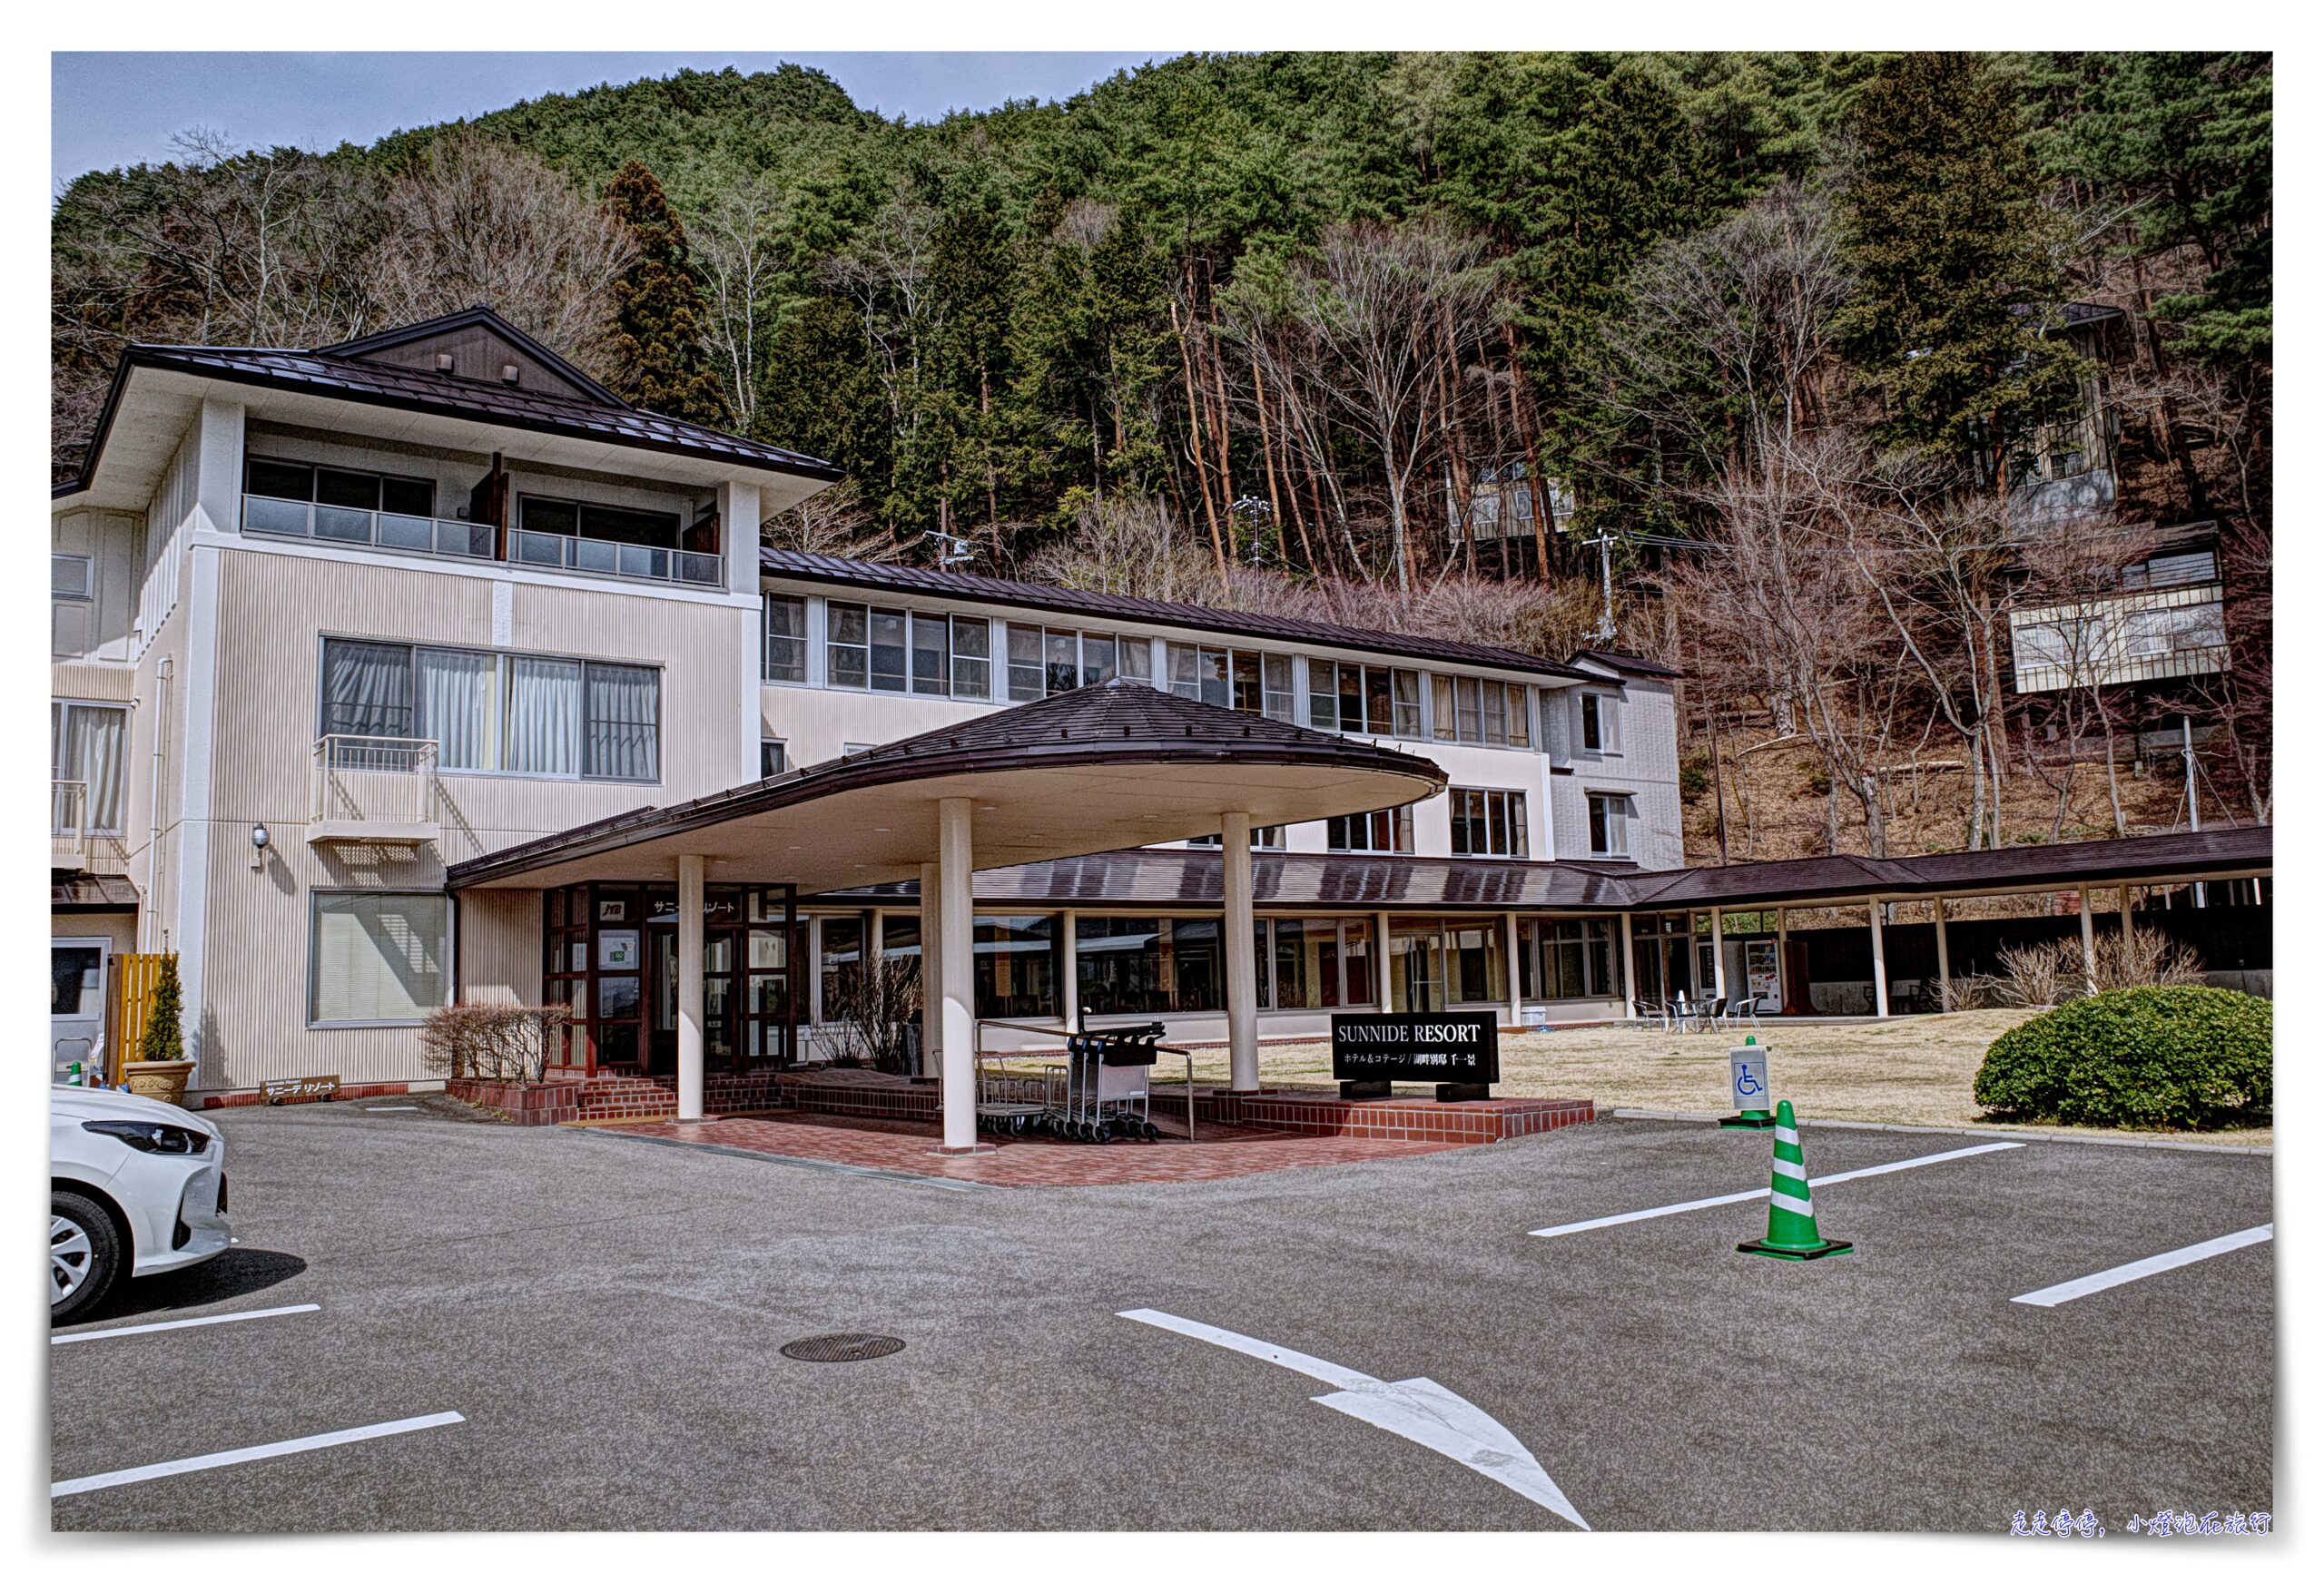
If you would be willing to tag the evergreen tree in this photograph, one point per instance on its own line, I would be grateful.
(164, 1035)
(657, 307)
(1957, 281)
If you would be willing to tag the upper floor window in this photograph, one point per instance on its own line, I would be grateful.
(1610, 825)
(1046, 661)
(1374, 699)
(1265, 838)
(1469, 709)
(345, 489)
(785, 645)
(773, 757)
(1240, 679)
(87, 742)
(71, 578)
(901, 651)
(516, 714)
(1487, 823)
(1390, 829)
(1601, 722)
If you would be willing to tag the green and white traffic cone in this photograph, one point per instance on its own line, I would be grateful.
(1791, 1213)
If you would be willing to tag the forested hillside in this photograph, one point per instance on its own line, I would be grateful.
(1407, 339)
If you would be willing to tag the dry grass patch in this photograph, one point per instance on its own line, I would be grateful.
(1913, 1070)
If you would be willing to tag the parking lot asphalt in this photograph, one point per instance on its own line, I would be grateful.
(604, 1315)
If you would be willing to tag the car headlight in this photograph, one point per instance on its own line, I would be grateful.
(152, 1138)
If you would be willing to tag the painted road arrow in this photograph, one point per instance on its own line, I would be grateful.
(1419, 1410)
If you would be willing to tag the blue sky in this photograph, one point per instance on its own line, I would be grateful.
(116, 109)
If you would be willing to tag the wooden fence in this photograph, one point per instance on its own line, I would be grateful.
(134, 975)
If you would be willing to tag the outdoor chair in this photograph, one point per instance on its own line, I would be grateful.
(1741, 1006)
(1651, 1011)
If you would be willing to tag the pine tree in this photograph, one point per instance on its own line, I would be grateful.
(1941, 217)
(164, 1035)
(657, 307)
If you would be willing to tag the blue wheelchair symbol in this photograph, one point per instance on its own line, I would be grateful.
(1747, 1081)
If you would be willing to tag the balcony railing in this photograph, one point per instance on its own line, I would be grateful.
(384, 530)
(530, 548)
(474, 541)
(68, 829)
(373, 788)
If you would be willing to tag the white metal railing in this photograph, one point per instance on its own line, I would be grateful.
(348, 524)
(529, 547)
(68, 829)
(381, 762)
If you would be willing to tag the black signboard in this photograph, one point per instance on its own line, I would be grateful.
(1416, 1047)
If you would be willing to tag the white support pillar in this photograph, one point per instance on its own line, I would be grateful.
(690, 988)
(956, 935)
(1516, 985)
(2089, 946)
(931, 973)
(1944, 960)
(1718, 953)
(1879, 964)
(1069, 993)
(1783, 965)
(1380, 990)
(1629, 971)
(1241, 946)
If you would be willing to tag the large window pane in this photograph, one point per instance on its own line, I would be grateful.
(544, 716)
(1246, 692)
(87, 749)
(1061, 665)
(1185, 670)
(456, 706)
(624, 726)
(1024, 664)
(1323, 696)
(1280, 702)
(1407, 696)
(847, 661)
(786, 639)
(971, 657)
(932, 658)
(367, 689)
(1016, 967)
(888, 651)
(377, 957)
(1135, 657)
(281, 480)
(1148, 965)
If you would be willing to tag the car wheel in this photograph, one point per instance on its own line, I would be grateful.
(83, 1256)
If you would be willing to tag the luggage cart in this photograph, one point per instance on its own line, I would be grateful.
(1014, 1103)
(1108, 1093)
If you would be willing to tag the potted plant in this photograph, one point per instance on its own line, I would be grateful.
(161, 1069)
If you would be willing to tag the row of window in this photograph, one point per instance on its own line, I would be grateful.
(507, 714)
(881, 649)
(353, 489)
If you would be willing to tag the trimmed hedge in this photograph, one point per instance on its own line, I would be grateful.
(2176, 1057)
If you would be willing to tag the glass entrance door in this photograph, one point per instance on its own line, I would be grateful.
(1415, 969)
(719, 1000)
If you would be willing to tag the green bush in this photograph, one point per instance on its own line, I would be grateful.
(2179, 1056)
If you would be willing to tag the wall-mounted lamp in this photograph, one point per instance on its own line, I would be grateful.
(259, 839)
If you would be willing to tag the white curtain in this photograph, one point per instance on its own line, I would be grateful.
(367, 689)
(378, 957)
(545, 716)
(456, 706)
(625, 722)
(90, 753)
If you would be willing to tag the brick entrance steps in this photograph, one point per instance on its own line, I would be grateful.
(1414, 1120)
(616, 1098)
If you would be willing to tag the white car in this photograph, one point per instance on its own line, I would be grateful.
(135, 1187)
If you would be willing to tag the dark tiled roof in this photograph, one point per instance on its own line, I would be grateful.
(1636, 665)
(84, 892)
(378, 384)
(1123, 722)
(880, 577)
(1184, 877)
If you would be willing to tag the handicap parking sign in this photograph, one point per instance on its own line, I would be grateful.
(1746, 1070)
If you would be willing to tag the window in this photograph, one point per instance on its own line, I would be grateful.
(1263, 838)
(1046, 661)
(1487, 823)
(887, 651)
(2148, 633)
(841, 958)
(71, 578)
(1319, 962)
(1240, 679)
(1567, 959)
(517, 714)
(1148, 964)
(1466, 952)
(377, 957)
(774, 758)
(1601, 728)
(599, 524)
(786, 639)
(1136, 659)
(951, 656)
(847, 652)
(2071, 641)
(1016, 967)
(1388, 831)
(1610, 819)
(1374, 699)
(971, 657)
(338, 493)
(1593, 736)
(86, 745)
(1471, 709)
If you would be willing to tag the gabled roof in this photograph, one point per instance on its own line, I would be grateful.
(872, 577)
(1629, 664)
(354, 371)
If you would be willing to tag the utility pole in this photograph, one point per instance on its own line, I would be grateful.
(1605, 543)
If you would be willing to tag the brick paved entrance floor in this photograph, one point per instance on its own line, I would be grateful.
(1032, 1162)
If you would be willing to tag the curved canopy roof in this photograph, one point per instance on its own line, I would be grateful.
(1092, 771)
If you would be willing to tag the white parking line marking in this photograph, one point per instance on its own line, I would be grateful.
(376, 1109)
(98, 1335)
(337, 1436)
(1419, 1410)
(1568, 1230)
(2067, 1291)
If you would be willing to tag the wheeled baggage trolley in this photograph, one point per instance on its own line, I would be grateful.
(1108, 1093)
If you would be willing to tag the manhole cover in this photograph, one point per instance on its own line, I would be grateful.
(841, 1349)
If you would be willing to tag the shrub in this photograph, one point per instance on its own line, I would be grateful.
(872, 1014)
(2170, 1057)
(506, 1042)
(2050, 974)
(164, 1035)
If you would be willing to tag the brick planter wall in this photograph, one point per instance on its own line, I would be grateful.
(1415, 1120)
